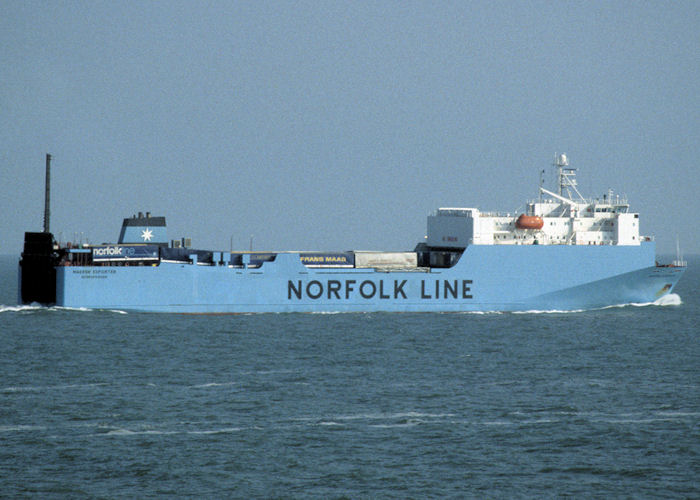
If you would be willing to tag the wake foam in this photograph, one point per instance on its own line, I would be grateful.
(35, 307)
(23, 308)
(672, 299)
(551, 311)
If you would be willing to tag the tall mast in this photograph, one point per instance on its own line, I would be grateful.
(47, 198)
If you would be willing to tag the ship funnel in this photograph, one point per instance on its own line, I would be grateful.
(140, 229)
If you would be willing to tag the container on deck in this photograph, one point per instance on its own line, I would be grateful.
(390, 260)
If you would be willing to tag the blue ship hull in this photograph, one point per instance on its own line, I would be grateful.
(486, 278)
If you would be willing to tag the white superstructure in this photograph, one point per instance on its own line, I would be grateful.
(563, 218)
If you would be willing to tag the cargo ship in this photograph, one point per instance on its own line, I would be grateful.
(563, 252)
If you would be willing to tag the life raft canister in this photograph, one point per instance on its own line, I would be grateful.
(529, 222)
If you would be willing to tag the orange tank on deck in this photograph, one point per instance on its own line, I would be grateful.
(529, 222)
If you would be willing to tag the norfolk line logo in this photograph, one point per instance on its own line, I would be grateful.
(368, 289)
(107, 251)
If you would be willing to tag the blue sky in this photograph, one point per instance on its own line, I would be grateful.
(341, 125)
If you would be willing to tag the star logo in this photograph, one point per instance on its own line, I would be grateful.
(146, 234)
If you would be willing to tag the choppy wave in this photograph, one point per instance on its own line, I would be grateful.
(21, 428)
(127, 432)
(382, 415)
(153, 431)
(535, 417)
(213, 384)
(379, 420)
(49, 388)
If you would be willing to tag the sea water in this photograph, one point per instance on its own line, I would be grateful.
(602, 403)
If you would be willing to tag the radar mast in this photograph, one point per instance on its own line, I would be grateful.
(566, 177)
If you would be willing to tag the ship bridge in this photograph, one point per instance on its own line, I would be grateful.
(556, 218)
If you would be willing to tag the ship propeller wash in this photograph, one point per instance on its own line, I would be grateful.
(563, 252)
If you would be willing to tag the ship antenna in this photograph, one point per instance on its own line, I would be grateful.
(47, 197)
(541, 184)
